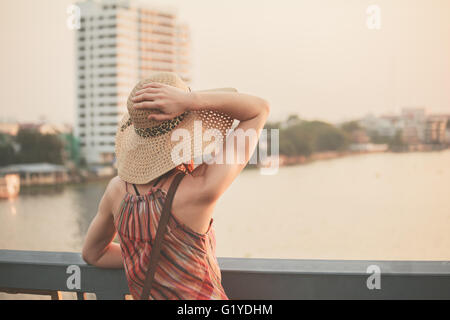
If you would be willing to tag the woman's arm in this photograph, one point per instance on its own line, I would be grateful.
(98, 248)
(251, 111)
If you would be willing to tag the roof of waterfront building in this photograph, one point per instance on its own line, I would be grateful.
(33, 168)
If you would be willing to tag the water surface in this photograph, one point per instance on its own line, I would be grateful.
(375, 206)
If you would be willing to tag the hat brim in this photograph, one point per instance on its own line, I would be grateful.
(139, 159)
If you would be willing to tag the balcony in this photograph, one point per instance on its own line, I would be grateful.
(47, 273)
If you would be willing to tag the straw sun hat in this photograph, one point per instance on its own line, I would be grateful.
(144, 147)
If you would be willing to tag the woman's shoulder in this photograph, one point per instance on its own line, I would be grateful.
(116, 182)
(115, 187)
(114, 193)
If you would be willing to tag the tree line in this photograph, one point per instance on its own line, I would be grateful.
(298, 137)
(30, 146)
(302, 138)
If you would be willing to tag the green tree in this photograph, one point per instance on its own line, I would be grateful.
(306, 137)
(350, 126)
(397, 141)
(272, 125)
(7, 152)
(331, 139)
(295, 141)
(71, 147)
(37, 147)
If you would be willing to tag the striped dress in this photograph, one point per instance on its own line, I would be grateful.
(187, 269)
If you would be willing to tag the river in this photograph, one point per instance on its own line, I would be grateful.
(391, 206)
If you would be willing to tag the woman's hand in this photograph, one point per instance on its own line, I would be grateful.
(167, 101)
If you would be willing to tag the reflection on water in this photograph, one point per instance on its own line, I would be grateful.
(85, 202)
(50, 217)
(42, 190)
(379, 206)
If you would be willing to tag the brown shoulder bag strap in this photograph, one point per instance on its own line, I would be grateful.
(162, 226)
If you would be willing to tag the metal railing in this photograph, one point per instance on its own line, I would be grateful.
(49, 273)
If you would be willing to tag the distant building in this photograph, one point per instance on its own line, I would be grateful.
(414, 122)
(446, 118)
(417, 127)
(391, 125)
(384, 126)
(435, 130)
(414, 114)
(37, 173)
(368, 147)
(119, 43)
(411, 135)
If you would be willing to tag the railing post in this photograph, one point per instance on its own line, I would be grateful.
(103, 295)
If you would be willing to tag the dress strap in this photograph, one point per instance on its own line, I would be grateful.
(158, 180)
(136, 190)
(159, 237)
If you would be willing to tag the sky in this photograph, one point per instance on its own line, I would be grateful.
(314, 58)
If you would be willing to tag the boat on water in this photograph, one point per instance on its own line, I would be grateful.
(9, 186)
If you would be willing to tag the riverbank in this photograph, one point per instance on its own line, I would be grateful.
(82, 176)
(318, 156)
(328, 155)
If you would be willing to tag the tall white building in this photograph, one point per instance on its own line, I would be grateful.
(120, 42)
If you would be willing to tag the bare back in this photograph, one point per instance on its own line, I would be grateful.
(186, 208)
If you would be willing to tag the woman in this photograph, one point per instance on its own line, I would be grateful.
(147, 164)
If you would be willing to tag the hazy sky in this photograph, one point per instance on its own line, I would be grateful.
(316, 58)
